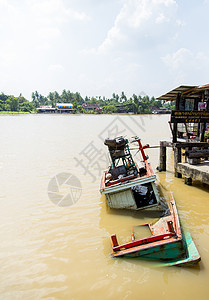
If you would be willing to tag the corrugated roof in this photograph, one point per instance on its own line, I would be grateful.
(183, 89)
(203, 87)
(64, 104)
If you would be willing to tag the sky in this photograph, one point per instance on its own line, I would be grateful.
(101, 47)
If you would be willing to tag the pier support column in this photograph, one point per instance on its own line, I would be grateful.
(177, 159)
(188, 180)
(162, 156)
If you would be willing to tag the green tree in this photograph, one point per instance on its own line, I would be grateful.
(123, 97)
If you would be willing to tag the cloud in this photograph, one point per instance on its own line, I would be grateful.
(186, 58)
(54, 11)
(161, 19)
(186, 65)
(56, 68)
(30, 28)
(48, 32)
(179, 58)
(6, 58)
(139, 19)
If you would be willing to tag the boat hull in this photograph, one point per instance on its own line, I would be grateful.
(192, 257)
(160, 251)
(167, 243)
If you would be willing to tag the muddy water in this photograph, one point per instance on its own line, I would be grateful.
(51, 251)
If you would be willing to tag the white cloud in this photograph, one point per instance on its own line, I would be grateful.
(177, 59)
(56, 68)
(161, 19)
(165, 2)
(6, 58)
(138, 19)
(185, 58)
(129, 45)
(54, 11)
(48, 32)
(187, 66)
(180, 23)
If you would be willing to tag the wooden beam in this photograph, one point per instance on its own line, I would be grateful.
(184, 145)
(162, 156)
(177, 159)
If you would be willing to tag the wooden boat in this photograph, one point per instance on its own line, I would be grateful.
(126, 184)
(166, 242)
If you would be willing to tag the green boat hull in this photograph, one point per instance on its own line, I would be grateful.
(174, 255)
(192, 257)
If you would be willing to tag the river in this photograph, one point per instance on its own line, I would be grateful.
(56, 227)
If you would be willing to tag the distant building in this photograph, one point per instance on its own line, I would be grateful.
(91, 107)
(159, 110)
(46, 109)
(121, 108)
(64, 107)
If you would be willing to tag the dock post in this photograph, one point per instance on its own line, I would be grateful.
(188, 180)
(177, 159)
(162, 156)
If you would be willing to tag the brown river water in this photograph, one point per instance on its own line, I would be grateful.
(56, 227)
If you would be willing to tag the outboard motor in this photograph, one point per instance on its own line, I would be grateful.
(118, 143)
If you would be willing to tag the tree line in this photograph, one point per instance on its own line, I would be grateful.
(10, 103)
(136, 104)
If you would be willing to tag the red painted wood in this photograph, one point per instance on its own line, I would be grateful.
(170, 226)
(114, 240)
(150, 239)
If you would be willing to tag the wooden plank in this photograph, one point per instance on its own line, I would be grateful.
(191, 144)
(197, 153)
(121, 200)
(184, 144)
(147, 240)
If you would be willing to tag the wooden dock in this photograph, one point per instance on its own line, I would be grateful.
(189, 124)
(198, 171)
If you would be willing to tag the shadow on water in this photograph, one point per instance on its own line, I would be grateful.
(202, 186)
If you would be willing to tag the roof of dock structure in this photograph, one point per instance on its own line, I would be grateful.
(185, 90)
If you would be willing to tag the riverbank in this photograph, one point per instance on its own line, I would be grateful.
(14, 113)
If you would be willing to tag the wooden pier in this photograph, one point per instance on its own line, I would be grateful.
(189, 122)
(198, 172)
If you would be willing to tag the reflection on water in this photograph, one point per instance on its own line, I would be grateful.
(64, 252)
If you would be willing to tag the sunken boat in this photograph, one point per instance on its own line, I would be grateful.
(166, 243)
(126, 184)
